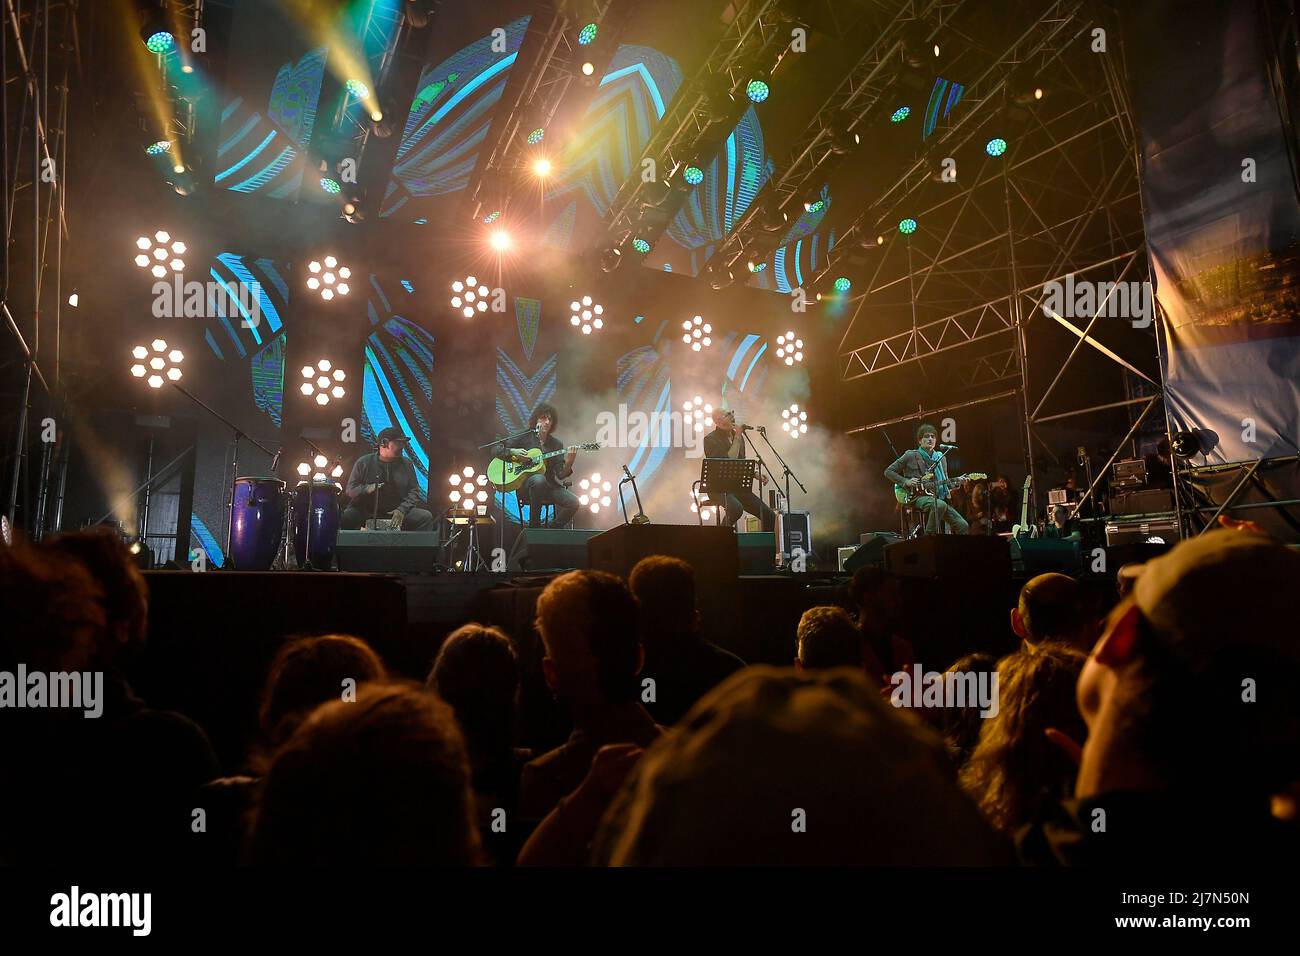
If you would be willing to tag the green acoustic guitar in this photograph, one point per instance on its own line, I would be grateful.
(509, 475)
(906, 495)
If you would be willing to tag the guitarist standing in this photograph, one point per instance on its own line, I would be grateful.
(922, 460)
(546, 488)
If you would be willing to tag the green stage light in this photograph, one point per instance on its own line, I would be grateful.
(907, 227)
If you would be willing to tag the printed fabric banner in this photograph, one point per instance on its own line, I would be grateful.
(1222, 210)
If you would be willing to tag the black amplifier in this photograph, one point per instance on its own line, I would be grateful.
(1149, 501)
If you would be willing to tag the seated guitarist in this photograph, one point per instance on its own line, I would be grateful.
(922, 460)
(545, 487)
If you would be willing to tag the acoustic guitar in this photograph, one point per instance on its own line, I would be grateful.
(507, 475)
(929, 486)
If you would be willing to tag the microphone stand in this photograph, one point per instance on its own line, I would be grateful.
(505, 445)
(788, 473)
(234, 459)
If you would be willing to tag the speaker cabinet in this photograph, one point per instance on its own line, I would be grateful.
(982, 556)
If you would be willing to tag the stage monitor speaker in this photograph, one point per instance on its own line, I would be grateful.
(871, 551)
(1041, 555)
(549, 549)
(982, 556)
(757, 549)
(713, 552)
(1148, 501)
(405, 552)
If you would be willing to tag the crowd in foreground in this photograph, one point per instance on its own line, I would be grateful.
(1167, 732)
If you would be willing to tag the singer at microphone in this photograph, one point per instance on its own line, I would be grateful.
(727, 440)
(923, 464)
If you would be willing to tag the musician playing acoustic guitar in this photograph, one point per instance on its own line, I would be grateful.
(546, 488)
(908, 471)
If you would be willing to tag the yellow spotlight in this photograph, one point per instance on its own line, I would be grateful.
(178, 168)
(376, 115)
(588, 68)
(542, 167)
(500, 240)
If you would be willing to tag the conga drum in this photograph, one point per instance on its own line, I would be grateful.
(316, 523)
(256, 522)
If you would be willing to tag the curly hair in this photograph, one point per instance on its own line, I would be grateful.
(926, 429)
(545, 408)
(1015, 771)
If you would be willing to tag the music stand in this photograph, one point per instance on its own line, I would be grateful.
(722, 476)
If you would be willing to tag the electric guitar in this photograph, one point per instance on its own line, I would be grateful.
(509, 475)
(1025, 529)
(929, 486)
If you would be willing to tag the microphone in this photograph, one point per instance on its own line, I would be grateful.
(745, 428)
(275, 461)
(630, 476)
(948, 447)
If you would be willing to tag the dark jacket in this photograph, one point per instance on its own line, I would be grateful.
(401, 491)
(913, 464)
(717, 444)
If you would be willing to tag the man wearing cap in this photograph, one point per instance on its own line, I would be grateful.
(1192, 703)
(383, 485)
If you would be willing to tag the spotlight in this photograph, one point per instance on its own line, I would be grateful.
(157, 250)
(611, 258)
(536, 136)
(844, 140)
(595, 493)
(492, 217)
(358, 89)
(322, 382)
(693, 175)
(74, 299)
(158, 148)
(1186, 445)
(996, 147)
(757, 90)
(156, 363)
(706, 511)
(789, 349)
(641, 245)
(418, 13)
(351, 211)
(587, 35)
(756, 265)
(329, 278)
(588, 68)
(907, 226)
(469, 296)
(586, 315)
(542, 167)
(696, 333)
(500, 240)
(697, 414)
(157, 36)
(720, 277)
(330, 186)
(468, 488)
(815, 205)
(794, 421)
(772, 218)
(842, 284)
(900, 114)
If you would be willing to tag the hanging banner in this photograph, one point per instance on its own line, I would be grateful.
(1222, 211)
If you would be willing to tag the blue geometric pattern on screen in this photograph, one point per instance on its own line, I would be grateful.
(398, 371)
(450, 115)
(256, 152)
(938, 104)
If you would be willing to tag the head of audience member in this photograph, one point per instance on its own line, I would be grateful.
(309, 671)
(961, 726)
(1054, 607)
(588, 623)
(827, 637)
(664, 589)
(1202, 659)
(477, 673)
(878, 597)
(126, 596)
(1015, 770)
(379, 781)
(843, 779)
(54, 616)
(1126, 577)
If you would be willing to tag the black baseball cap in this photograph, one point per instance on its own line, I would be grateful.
(391, 433)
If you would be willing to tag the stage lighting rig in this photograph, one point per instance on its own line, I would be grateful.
(696, 333)
(323, 382)
(706, 511)
(328, 278)
(320, 469)
(586, 315)
(794, 421)
(157, 363)
(159, 253)
(468, 488)
(611, 257)
(789, 348)
(697, 414)
(469, 295)
(595, 493)
(719, 275)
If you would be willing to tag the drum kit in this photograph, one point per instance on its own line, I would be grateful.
(265, 515)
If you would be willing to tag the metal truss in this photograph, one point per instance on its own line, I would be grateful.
(41, 47)
(858, 95)
(1064, 201)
